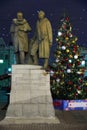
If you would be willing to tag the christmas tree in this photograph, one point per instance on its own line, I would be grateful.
(66, 72)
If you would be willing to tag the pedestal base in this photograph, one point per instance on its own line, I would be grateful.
(30, 93)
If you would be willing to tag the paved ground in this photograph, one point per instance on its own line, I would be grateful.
(69, 120)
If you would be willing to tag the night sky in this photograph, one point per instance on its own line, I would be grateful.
(54, 9)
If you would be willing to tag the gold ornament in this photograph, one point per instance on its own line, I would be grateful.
(58, 56)
(73, 65)
(75, 85)
(70, 56)
(73, 41)
(57, 39)
(67, 50)
(76, 39)
(59, 63)
(57, 72)
(66, 38)
(62, 83)
(63, 75)
(59, 52)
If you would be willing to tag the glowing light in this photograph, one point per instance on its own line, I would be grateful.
(58, 80)
(83, 62)
(1, 61)
(59, 33)
(68, 71)
(76, 57)
(70, 61)
(63, 47)
(51, 73)
(57, 60)
(9, 69)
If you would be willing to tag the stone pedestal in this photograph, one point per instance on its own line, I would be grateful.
(30, 95)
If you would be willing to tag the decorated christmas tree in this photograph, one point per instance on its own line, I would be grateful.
(67, 70)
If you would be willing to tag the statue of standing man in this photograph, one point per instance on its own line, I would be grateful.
(19, 33)
(43, 36)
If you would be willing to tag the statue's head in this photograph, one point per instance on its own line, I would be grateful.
(41, 14)
(19, 15)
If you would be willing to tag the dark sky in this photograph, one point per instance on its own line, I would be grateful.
(54, 9)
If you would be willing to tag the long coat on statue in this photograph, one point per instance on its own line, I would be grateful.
(19, 32)
(44, 36)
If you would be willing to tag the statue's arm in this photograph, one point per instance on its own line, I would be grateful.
(27, 27)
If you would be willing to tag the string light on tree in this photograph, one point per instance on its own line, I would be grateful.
(63, 48)
(59, 33)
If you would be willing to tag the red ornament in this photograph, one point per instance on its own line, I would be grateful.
(75, 46)
(64, 26)
(70, 83)
(74, 51)
(67, 19)
(80, 80)
(79, 62)
(69, 65)
(66, 59)
(76, 94)
(79, 88)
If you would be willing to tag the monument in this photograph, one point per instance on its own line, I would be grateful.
(30, 97)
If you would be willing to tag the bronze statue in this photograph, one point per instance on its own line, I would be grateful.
(19, 33)
(42, 40)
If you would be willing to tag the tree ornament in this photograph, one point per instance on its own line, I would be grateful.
(79, 62)
(57, 60)
(68, 70)
(62, 82)
(70, 83)
(70, 61)
(78, 72)
(57, 39)
(66, 59)
(73, 41)
(79, 91)
(76, 39)
(71, 35)
(70, 56)
(59, 33)
(79, 88)
(63, 47)
(67, 38)
(58, 80)
(59, 52)
(67, 50)
(83, 63)
(80, 80)
(62, 75)
(51, 72)
(76, 57)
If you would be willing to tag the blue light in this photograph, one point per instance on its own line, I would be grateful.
(9, 69)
